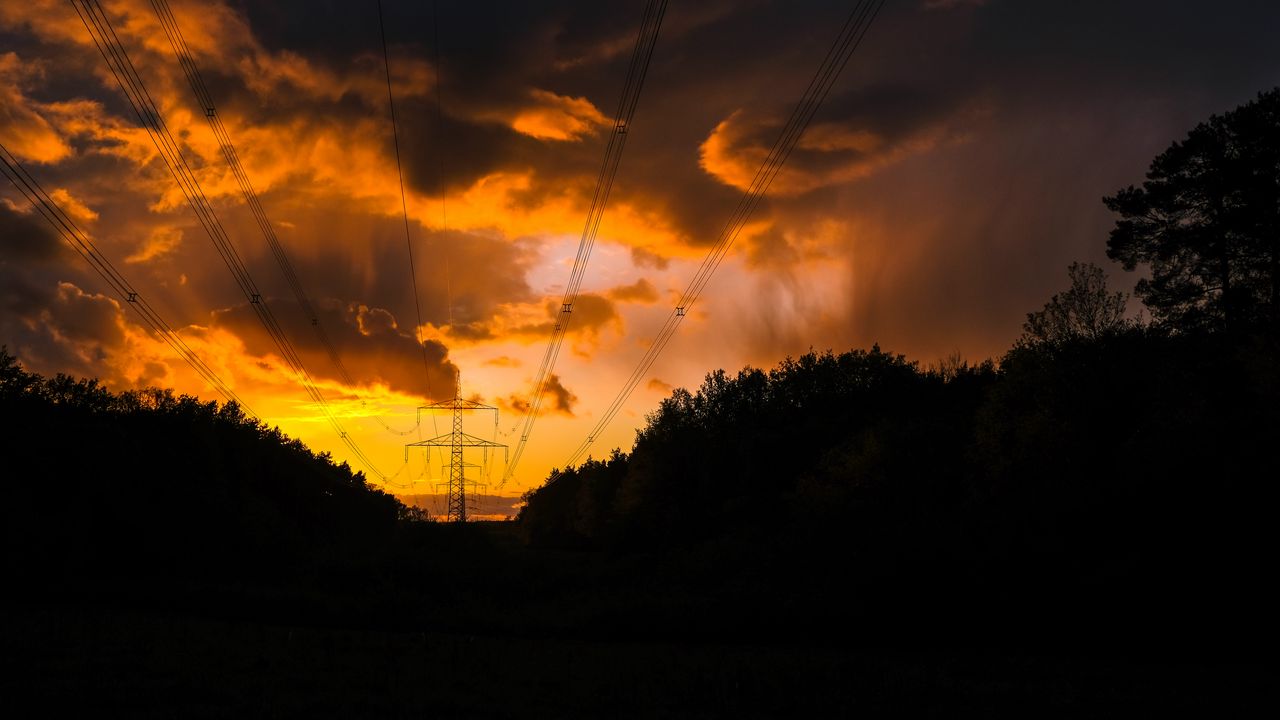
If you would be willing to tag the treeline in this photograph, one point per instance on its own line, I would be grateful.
(1106, 475)
(745, 450)
(106, 487)
(1125, 479)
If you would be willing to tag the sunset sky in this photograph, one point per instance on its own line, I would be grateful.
(940, 193)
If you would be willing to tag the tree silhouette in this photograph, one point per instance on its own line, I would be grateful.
(1085, 311)
(164, 485)
(1207, 223)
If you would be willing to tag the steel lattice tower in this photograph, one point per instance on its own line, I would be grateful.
(458, 441)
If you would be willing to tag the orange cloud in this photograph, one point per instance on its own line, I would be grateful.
(162, 241)
(557, 117)
(311, 153)
(73, 206)
(26, 133)
(659, 386)
(829, 153)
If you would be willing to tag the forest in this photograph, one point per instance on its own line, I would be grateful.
(1105, 481)
(1105, 489)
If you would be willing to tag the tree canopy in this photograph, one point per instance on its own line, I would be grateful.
(168, 483)
(1206, 222)
(1087, 310)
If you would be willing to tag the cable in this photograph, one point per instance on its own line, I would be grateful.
(440, 183)
(838, 56)
(641, 56)
(194, 78)
(404, 207)
(113, 52)
(80, 242)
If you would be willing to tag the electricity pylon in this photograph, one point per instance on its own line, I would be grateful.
(458, 441)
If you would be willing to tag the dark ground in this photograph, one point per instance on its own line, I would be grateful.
(165, 665)
(184, 657)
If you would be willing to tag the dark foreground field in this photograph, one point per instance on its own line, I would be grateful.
(322, 657)
(165, 665)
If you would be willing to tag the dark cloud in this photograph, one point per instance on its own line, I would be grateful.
(770, 248)
(26, 237)
(515, 404)
(370, 342)
(86, 319)
(459, 151)
(643, 258)
(47, 320)
(561, 399)
(471, 332)
(859, 134)
(591, 313)
(640, 291)
(65, 329)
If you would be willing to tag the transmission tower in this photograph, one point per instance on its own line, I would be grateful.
(458, 441)
(474, 488)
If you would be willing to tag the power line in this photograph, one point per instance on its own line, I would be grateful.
(84, 246)
(641, 55)
(850, 37)
(440, 182)
(195, 79)
(113, 52)
(404, 207)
